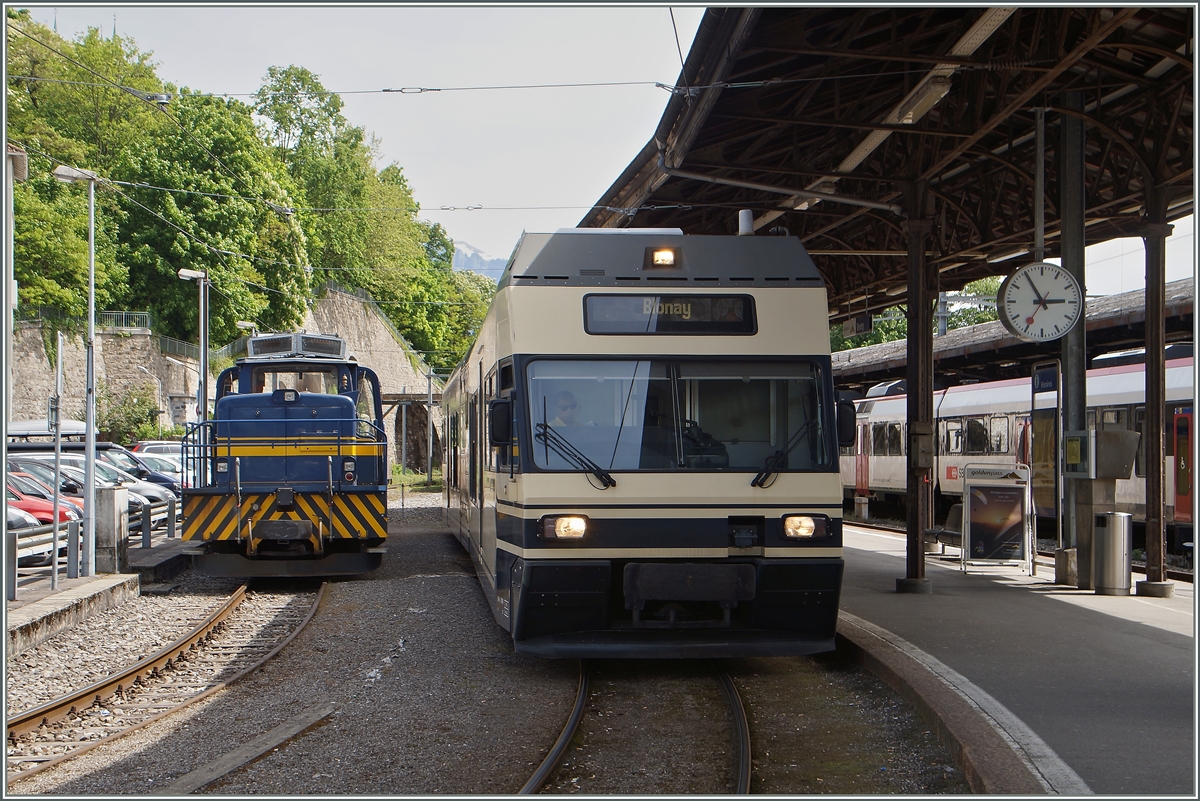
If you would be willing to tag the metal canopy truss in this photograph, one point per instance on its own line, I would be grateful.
(778, 107)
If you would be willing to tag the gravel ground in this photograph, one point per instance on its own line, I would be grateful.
(115, 638)
(430, 698)
(678, 706)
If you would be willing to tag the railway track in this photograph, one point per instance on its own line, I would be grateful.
(238, 637)
(742, 767)
(1173, 574)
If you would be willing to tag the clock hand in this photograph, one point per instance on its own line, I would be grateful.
(1055, 300)
(1038, 295)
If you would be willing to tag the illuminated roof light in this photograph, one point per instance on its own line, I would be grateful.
(664, 258)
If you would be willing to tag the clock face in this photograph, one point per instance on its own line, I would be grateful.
(1039, 302)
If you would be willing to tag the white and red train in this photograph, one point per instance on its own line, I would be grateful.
(990, 423)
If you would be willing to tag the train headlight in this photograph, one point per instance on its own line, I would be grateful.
(348, 465)
(222, 465)
(571, 527)
(803, 527)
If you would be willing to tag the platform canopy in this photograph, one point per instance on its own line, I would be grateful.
(823, 120)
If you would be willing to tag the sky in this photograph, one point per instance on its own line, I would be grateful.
(486, 163)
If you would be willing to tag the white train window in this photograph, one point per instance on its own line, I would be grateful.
(999, 434)
(879, 439)
(977, 436)
(954, 443)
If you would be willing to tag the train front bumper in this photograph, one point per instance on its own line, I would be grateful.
(748, 606)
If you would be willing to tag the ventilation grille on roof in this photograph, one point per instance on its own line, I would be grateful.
(269, 346)
(297, 345)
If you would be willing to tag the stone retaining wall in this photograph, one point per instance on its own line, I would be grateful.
(121, 352)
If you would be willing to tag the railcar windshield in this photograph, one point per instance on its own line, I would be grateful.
(306, 379)
(664, 415)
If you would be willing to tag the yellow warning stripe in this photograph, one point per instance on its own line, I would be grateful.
(297, 449)
(215, 517)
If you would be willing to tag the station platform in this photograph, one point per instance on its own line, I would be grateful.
(40, 612)
(1043, 688)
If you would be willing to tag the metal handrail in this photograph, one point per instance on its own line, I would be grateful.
(201, 446)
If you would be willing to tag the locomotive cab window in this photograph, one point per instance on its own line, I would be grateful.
(685, 415)
(365, 407)
(321, 381)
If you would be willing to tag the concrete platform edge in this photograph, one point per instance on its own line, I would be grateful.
(987, 760)
(31, 625)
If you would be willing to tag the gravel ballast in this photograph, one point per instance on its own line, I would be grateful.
(430, 698)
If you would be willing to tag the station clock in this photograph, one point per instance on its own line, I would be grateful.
(1039, 302)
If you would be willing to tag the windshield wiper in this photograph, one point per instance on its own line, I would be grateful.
(777, 460)
(565, 449)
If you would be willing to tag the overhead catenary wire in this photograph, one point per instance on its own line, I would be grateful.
(416, 90)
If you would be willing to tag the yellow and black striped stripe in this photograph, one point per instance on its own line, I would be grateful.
(361, 515)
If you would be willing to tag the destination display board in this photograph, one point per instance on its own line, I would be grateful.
(669, 314)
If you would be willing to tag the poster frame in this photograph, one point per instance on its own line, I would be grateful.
(983, 475)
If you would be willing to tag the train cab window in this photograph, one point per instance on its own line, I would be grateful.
(364, 409)
(321, 381)
(998, 439)
(954, 443)
(678, 415)
(977, 436)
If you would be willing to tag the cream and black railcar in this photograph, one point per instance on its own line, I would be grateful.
(641, 447)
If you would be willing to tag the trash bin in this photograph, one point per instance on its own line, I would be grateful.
(1112, 546)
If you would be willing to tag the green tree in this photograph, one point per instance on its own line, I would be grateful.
(299, 112)
(473, 293)
(227, 217)
(892, 326)
(50, 243)
(981, 312)
(120, 414)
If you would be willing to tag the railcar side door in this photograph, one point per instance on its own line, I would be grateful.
(1182, 428)
(862, 463)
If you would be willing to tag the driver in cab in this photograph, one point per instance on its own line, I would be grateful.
(567, 407)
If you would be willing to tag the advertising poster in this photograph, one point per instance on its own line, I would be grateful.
(997, 523)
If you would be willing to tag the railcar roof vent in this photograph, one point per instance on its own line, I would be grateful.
(277, 345)
(269, 346)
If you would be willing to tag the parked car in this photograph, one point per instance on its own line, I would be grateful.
(40, 508)
(71, 480)
(162, 463)
(109, 472)
(170, 447)
(107, 452)
(28, 484)
(19, 518)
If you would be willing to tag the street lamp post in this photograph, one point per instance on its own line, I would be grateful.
(201, 277)
(71, 175)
